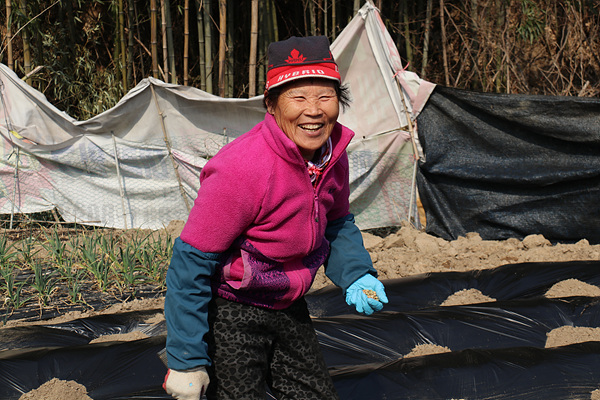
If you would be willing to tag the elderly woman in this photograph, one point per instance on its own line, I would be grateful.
(272, 208)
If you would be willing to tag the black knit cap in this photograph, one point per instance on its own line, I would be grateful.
(300, 57)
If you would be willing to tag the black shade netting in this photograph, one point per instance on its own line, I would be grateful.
(510, 165)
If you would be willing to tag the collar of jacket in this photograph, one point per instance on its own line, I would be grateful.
(285, 148)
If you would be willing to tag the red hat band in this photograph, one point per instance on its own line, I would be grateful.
(284, 74)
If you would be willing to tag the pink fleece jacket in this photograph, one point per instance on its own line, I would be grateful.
(256, 203)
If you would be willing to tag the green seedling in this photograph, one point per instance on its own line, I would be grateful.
(153, 265)
(6, 250)
(27, 251)
(130, 273)
(95, 261)
(74, 286)
(44, 283)
(56, 247)
(11, 287)
(100, 271)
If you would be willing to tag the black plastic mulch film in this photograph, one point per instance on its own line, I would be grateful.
(497, 348)
(510, 165)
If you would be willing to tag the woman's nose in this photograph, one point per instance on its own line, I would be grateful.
(313, 107)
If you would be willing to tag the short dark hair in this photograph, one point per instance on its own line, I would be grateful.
(342, 92)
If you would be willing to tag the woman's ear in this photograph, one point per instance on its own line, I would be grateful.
(269, 105)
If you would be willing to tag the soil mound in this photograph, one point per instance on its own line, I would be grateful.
(57, 389)
(572, 287)
(467, 296)
(427, 349)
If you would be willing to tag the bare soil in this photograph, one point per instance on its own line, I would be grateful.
(404, 253)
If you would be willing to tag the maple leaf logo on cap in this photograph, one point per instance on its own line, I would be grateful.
(295, 57)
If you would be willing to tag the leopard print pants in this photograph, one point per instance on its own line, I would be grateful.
(253, 348)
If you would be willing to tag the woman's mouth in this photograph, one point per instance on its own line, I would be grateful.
(311, 127)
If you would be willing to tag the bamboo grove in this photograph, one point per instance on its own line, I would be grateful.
(85, 55)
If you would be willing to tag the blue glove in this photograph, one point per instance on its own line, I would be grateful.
(355, 295)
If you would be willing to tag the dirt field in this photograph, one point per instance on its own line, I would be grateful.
(406, 253)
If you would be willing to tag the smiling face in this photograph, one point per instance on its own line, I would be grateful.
(306, 111)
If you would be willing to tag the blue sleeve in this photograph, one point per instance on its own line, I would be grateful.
(348, 259)
(186, 305)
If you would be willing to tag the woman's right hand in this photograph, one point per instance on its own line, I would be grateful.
(356, 296)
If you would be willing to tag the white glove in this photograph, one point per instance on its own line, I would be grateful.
(190, 384)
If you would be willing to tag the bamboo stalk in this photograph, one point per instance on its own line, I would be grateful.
(163, 12)
(444, 42)
(208, 46)
(71, 24)
(153, 38)
(313, 17)
(273, 21)
(201, 57)
(262, 43)
(9, 49)
(318, 4)
(426, 38)
(26, 47)
(230, 55)
(500, 21)
(253, 45)
(169, 149)
(186, 39)
(305, 4)
(123, 46)
(333, 19)
(325, 18)
(170, 46)
(130, 18)
(222, 44)
(407, 34)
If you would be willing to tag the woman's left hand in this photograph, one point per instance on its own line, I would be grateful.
(360, 294)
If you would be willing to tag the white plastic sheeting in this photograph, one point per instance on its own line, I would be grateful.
(137, 164)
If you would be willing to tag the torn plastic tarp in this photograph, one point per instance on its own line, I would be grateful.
(496, 348)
